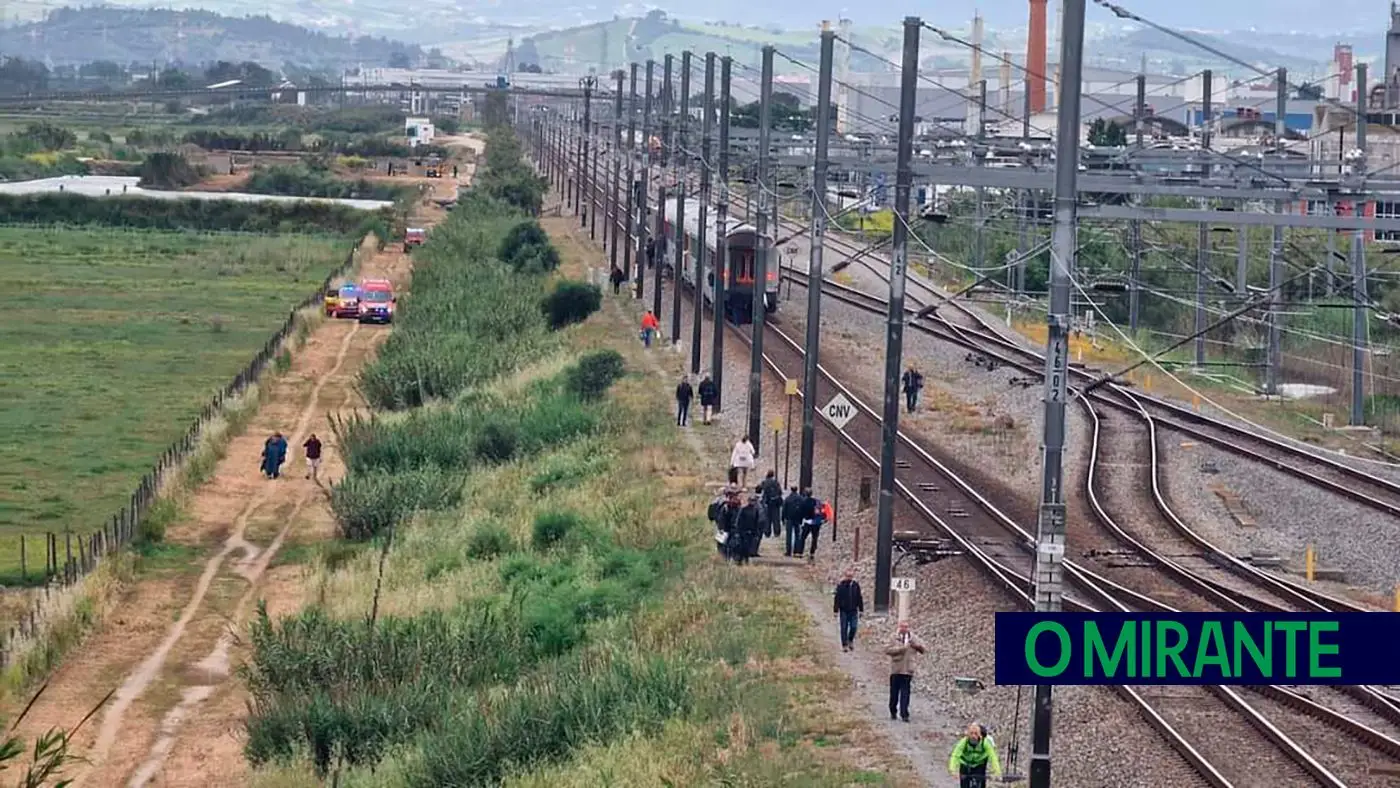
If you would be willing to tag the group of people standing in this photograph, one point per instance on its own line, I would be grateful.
(274, 454)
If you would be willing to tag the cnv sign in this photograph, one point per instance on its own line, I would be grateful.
(1197, 648)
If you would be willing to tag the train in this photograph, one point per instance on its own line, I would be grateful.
(743, 242)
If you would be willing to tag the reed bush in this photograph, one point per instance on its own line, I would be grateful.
(368, 504)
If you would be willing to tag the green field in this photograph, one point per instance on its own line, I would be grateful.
(113, 341)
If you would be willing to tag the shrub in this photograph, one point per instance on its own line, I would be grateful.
(163, 170)
(571, 302)
(369, 504)
(551, 527)
(591, 377)
(100, 136)
(489, 540)
(306, 181)
(496, 442)
(526, 249)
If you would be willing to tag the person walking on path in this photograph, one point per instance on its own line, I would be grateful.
(684, 394)
(617, 278)
(267, 466)
(279, 446)
(848, 605)
(815, 513)
(742, 457)
(650, 325)
(313, 457)
(792, 520)
(913, 384)
(746, 532)
(902, 650)
(709, 395)
(973, 756)
(772, 494)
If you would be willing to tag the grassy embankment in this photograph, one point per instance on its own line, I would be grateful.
(114, 341)
(524, 591)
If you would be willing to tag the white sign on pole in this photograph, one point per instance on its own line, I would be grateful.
(839, 411)
(901, 583)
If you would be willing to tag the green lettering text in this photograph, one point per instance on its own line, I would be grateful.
(1171, 651)
(1316, 649)
(1211, 651)
(1095, 651)
(1290, 651)
(1066, 649)
(1244, 641)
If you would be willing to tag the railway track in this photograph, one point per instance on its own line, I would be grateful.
(977, 333)
(1001, 548)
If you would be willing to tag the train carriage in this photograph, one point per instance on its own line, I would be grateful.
(741, 263)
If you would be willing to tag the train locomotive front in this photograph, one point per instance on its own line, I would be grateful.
(743, 242)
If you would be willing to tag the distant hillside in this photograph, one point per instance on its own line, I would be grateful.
(70, 36)
(611, 44)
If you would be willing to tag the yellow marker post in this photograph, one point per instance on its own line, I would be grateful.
(1196, 402)
(1397, 598)
(1309, 563)
(790, 387)
(1147, 382)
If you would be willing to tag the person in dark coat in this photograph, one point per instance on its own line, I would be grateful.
(746, 532)
(771, 494)
(269, 454)
(684, 394)
(279, 448)
(792, 520)
(913, 384)
(727, 524)
(709, 395)
(848, 605)
(313, 456)
(617, 278)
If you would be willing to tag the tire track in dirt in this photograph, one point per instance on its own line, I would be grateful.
(140, 679)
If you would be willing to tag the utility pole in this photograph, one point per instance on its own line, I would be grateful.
(894, 337)
(611, 229)
(1029, 200)
(980, 251)
(1050, 527)
(722, 263)
(703, 217)
(1135, 227)
(1274, 359)
(642, 230)
(658, 236)
(814, 267)
(630, 223)
(1203, 230)
(682, 162)
(1358, 267)
(584, 138)
(595, 198)
(762, 261)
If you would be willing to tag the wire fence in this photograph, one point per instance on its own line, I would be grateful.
(69, 556)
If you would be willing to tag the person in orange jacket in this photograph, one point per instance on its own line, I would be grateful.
(650, 326)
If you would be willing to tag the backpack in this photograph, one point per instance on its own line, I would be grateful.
(715, 507)
(819, 513)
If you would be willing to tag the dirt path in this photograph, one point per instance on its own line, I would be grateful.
(170, 646)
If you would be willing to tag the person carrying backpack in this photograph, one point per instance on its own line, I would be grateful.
(972, 756)
(817, 512)
(709, 397)
(772, 494)
(792, 520)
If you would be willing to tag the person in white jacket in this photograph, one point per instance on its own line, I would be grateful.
(742, 459)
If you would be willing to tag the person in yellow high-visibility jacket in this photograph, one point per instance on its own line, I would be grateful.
(973, 756)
